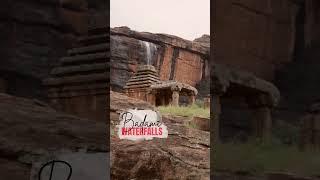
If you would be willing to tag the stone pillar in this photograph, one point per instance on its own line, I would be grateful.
(175, 98)
(216, 111)
(310, 129)
(207, 102)
(163, 100)
(3, 85)
(306, 126)
(217, 89)
(262, 123)
(192, 99)
(261, 119)
(152, 97)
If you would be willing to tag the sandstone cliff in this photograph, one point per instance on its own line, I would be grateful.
(256, 36)
(174, 58)
(303, 71)
(34, 35)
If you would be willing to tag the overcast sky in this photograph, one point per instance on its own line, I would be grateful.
(188, 19)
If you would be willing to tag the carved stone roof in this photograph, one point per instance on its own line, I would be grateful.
(174, 85)
(224, 76)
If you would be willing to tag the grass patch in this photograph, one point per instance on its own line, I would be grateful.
(112, 131)
(187, 111)
(261, 158)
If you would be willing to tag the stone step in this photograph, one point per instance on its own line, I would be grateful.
(135, 79)
(78, 93)
(85, 58)
(76, 79)
(149, 82)
(94, 39)
(80, 87)
(137, 86)
(146, 72)
(89, 49)
(140, 89)
(144, 79)
(144, 76)
(80, 68)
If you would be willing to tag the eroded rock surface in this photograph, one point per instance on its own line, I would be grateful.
(256, 36)
(183, 155)
(120, 102)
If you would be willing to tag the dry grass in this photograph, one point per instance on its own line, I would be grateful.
(258, 158)
(187, 111)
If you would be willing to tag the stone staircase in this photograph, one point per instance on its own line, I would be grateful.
(79, 85)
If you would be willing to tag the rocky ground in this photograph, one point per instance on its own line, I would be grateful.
(225, 175)
(30, 129)
(184, 154)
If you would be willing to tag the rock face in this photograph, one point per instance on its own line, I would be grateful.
(276, 41)
(37, 130)
(183, 155)
(174, 58)
(312, 26)
(33, 37)
(256, 36)
(294, 75)
(204, 40)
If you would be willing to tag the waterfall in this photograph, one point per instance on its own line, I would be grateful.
(150, 50)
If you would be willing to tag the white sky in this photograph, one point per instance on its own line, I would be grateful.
(188, 19)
